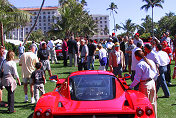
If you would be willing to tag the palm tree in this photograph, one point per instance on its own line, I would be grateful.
(113, 8)
(11, 17)
(152, 4)
(129, 27)
(147, 24)
(34, 23)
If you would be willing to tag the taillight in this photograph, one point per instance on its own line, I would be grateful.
(38, 113)
(140, 112)
(148, 111)
(48, 113)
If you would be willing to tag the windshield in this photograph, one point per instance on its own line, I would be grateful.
(92, 87)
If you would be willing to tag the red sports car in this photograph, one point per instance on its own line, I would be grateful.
(93, 94)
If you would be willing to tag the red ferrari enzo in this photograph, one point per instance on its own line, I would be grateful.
(93, 94)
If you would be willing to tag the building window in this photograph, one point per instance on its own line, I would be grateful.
(105, 21)
(26, 32)
(48, 12)
(49, 28)
(100, 18)
(101, 33)
(97, 22)
(39, 24)
(48, 16)
(48, 20)
(101, 26)
(100, 21)
(43, 12)
(26, 28)
(39, 17)
(44, 20)
(105, 18)
(44, 28)
(96, 18)
(44, 24)
(40, 28)
(35, 28)
(53, 12)
(39, 20)
(44, 17)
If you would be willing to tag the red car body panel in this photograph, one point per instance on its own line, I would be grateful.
(125, 101)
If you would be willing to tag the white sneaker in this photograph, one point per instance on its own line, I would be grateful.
(53, 80)
(26, 99)
(32, 100)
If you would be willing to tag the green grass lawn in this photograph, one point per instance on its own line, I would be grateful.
(166, 106)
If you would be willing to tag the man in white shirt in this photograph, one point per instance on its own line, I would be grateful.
(151, 54)
(109, 46)
(164, 61)
(134, 63)
(28, 61)
(138, 40)
(52, 51)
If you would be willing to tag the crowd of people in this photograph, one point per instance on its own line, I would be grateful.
(147, 62)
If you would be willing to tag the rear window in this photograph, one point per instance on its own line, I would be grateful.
(92, 87)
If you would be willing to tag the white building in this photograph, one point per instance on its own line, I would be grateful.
(102, 24)
(46, 19)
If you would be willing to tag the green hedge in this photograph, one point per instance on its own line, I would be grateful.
(10, 46)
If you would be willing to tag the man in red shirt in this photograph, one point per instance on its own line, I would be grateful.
(65, 50)
(168, 50)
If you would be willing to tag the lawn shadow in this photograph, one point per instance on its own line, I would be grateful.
(172, 85)
(4, 111)
(173, 104)
(26, 106)
(65, 73)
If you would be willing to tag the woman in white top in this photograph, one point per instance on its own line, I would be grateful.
(10, 72)
(102, 57)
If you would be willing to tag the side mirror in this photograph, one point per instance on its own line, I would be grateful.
(53, 77)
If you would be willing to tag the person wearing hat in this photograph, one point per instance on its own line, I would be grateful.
(115, 39)
(168, 50)
(137, 39)
(116, 60)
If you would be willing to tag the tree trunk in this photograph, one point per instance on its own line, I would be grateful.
(114, 22)
(34, 23)
(2, 41)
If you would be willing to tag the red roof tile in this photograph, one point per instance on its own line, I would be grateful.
(36, 9)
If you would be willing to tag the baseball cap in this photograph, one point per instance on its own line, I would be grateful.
(164, 43)
(137, 34)
(117, 44)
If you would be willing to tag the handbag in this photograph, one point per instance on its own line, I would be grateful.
(1, 69)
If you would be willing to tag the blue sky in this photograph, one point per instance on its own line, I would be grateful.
(126, 9)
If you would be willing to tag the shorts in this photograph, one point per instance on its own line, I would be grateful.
(25, 80)
(45, 65)
(117, 70)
